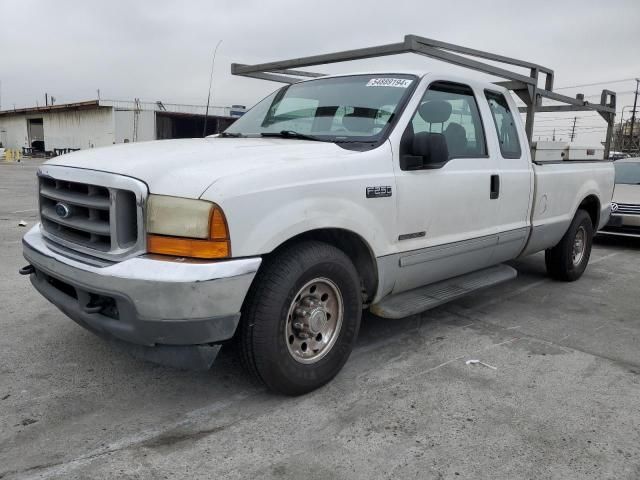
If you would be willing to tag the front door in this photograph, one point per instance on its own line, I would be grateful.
(447, 216)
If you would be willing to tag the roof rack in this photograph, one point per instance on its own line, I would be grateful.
(525, 86)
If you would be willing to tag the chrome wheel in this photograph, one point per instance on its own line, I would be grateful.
(579, 246)
(314, 320)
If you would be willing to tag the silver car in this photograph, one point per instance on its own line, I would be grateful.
(625, 207)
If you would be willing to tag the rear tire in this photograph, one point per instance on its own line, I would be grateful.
(568, 260)
(301, 317)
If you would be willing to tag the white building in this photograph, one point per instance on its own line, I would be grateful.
(97, 123)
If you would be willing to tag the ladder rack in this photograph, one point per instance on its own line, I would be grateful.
(525, 86)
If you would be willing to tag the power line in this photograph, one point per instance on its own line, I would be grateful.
(564, 125)
(569, 132)
(569, 129)
(555, 119)
(617, 93)
(595, 83)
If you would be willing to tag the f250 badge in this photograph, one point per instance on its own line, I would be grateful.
(377, 192)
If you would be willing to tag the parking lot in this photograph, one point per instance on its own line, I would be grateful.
(562, 402)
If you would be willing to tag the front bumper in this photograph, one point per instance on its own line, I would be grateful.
(146, 300)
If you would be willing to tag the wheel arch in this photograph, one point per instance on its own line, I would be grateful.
(353, 245)
(591, 205)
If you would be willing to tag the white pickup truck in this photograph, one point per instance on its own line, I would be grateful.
(393, 191)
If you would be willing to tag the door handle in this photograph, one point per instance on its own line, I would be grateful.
(495, 187)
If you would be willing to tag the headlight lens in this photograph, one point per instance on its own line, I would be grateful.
(186, 228)
(178, 216)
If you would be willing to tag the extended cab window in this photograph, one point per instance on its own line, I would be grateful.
(451, 110)
(505, 125)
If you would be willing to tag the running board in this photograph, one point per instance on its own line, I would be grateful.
(424, 298)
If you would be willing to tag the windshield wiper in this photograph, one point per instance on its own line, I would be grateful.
(293, 134)
(231, 135)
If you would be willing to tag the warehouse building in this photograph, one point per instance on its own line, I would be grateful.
(56, 129)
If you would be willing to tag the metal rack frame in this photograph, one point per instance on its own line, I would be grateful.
(525, 86)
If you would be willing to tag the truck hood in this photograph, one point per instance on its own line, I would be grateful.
(625, 193)
(186, 168)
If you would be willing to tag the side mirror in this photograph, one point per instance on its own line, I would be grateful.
(427, 151)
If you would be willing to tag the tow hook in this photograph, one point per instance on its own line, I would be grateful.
(92, 308)
(27, 270)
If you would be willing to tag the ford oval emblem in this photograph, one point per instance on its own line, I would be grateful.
(62, 210)
(614, 207)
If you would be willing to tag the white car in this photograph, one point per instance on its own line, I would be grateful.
(625, 208)
(389, 191)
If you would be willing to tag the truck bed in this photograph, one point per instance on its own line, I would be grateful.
(568, 182)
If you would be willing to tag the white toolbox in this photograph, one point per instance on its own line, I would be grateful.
(579, 152)
(549, 151)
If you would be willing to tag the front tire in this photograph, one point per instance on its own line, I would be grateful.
(301, 317)
(568, 260)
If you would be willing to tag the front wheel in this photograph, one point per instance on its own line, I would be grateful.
(568, 260)
(301, 318)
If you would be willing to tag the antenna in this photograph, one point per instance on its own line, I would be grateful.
(206, 115)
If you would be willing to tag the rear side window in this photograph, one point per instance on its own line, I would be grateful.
(505, 125)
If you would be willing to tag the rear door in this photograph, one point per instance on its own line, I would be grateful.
(507, 143)
(447, 218)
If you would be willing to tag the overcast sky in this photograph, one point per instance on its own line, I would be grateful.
(161, 50)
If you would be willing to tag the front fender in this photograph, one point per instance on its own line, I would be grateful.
(266, 208)
(308, 214)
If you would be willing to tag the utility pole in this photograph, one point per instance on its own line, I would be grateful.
(633, 114)
(136, 118)
(573, 129)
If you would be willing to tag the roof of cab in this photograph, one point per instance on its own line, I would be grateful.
(436, 75)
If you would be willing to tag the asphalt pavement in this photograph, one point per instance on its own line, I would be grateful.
(562, 402)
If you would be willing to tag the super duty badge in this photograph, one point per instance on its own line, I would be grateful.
(377, 192)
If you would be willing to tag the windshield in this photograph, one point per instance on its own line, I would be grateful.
(628, 172)
(340, 109)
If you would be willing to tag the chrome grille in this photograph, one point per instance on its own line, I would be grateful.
(628, 209)
(92, 212)
(88, 221)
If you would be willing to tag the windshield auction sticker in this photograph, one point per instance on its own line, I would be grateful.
(389, 82)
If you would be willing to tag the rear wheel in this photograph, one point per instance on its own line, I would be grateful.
(301, 318)
(568, 260)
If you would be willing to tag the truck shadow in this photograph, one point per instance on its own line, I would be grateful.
(610, 241)
(227, 375)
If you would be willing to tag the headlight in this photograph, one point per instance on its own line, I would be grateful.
(186, 228)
